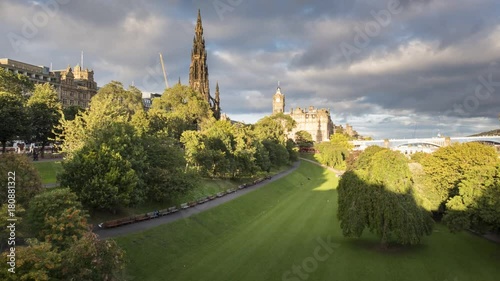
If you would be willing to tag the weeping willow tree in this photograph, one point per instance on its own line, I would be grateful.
(378, 195)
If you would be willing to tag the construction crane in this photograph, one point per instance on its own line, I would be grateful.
(164, 72)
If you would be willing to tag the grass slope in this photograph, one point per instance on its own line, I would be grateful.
(48, 170)
(262, 235)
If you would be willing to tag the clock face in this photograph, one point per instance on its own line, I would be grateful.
(278, 99)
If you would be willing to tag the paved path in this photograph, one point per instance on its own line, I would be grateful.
(337, 172)
(144, 225)
(40, 159)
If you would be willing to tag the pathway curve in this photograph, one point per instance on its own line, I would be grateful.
(337, 172)
(144, 225)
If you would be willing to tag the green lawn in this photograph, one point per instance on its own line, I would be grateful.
(266, 233)
(310, 156)
(48, 170)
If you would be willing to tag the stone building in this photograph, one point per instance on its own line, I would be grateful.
(198, 70)
(316, 122)
(74, 87)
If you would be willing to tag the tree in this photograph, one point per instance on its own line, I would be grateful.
(293, 151)
(71, 111)
(36, 261)
(278, 155)
(165, 175)
(262, 157)
(332, 155)
(55, 216)
(342, 141)
(92, 259)
(381, 199)
(27, 180)
(303, 139)
(16, 84)
(45, 111)
(12, 114)
(275, 127)
(112, 104)
(447, 167)
(477, 204)
(180, 108)
(101, 177)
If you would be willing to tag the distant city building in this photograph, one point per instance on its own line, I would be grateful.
(198, 70)
(147, 100)
(74, 87)
(316, 122)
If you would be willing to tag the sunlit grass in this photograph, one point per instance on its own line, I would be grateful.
(262, 235)
(48, 170)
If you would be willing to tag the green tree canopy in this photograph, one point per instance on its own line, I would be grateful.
(101, 173)
(92, 259)
(112, 104)
(55, 216)
(381, 199)
(16, 84)
(71, 111)
(180, 108)
(448, 166)
(13, 116)
(303, 139)
(27, 180)
(342, 141)
(275, 127)
(45, 112)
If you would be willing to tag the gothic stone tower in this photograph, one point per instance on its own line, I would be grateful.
(278, 101)
(198, 70)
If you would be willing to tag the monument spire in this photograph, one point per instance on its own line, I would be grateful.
(198, 70)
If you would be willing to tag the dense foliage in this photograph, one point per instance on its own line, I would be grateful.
(462, 182)
(44, 111)
(335, 152)
(52, 234)
(115, 157)
(378, 195)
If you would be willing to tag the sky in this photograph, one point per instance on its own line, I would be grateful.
(389, 68)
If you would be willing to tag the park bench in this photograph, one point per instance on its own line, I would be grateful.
(110, 224)
(202, 200)
(220, 194)
(184, 206)
(164, 212)
(173, 209)
(143, 217)
(211, 197)
(192, 203)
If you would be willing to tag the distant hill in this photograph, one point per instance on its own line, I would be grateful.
(495, 132)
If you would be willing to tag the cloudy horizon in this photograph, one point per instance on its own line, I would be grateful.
(392, 69)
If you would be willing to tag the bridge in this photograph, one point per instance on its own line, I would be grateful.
(429, 145)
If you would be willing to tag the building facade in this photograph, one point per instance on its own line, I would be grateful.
(74, 86)
(198, 70)
(316, 122)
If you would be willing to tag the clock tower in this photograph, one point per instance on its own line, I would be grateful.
(278, 102)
